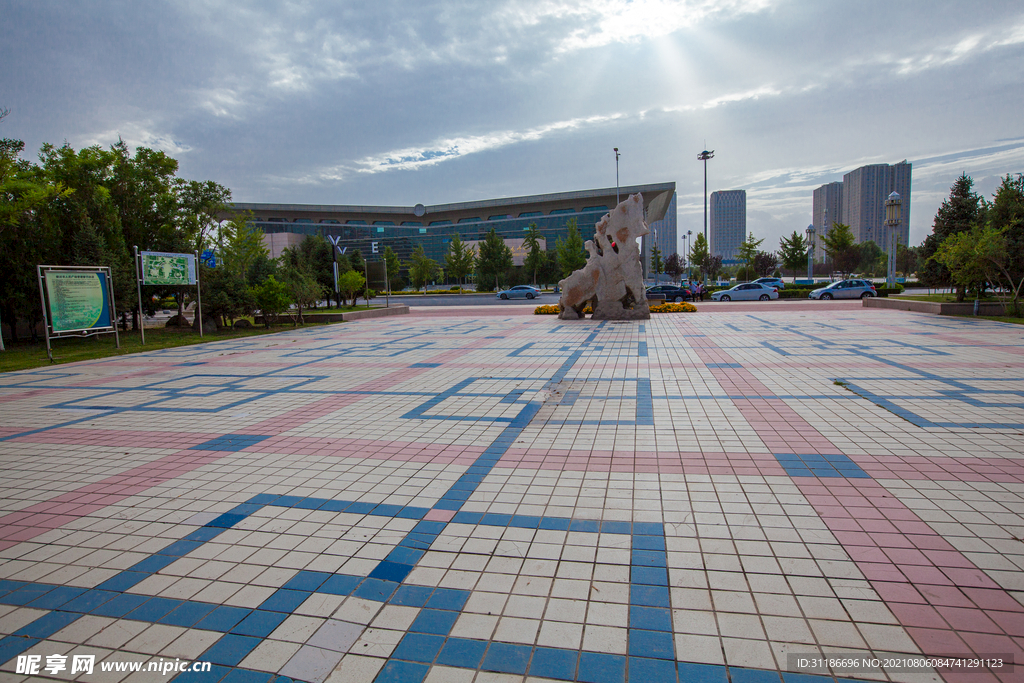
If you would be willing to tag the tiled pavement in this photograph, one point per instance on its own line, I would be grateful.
(497, 497)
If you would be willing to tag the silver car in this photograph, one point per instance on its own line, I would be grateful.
(749, 291)
(845, 289)
(520, 292)
(775, 282)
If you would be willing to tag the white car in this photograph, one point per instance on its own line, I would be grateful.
(520, 292)
(845, 289)
(748, 291)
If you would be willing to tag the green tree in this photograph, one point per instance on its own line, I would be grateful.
(351, 283)
(421, 268)
(747, 251)
(571, 255)
(225, 294)
(241, 244)
(494, 260)
(142, 190)
(1004, 244)
(534, 254)
(841, 248)
(793, 252)
(304, 289)
(355, 258)
(699, 255)
(959, 253)
(395, 281)
(872, 259)
(657, 265)
(260, 269)
(959, 212)
(199, 203)
(272, 298)
(460, 259)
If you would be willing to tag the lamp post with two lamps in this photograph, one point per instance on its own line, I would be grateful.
(704, 156)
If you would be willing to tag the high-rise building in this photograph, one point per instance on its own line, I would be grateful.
(728, 226)
(665, 229)
(828, 209)
(864, 192)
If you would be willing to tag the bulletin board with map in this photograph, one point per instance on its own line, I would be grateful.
(163, 268)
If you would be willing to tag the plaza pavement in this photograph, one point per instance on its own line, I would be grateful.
(495, 496)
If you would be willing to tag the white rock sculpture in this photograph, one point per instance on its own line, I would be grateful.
(612, 282)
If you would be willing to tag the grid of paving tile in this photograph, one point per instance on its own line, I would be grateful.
(702, 497)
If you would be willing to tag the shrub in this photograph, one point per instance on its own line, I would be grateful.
(546, 309)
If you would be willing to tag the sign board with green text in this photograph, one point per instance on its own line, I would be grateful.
(164, 268)
(77, 301)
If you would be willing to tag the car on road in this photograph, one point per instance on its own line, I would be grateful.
(672, 293)
(845, 289)
(775, 282)
(519, 292)
(748, 291)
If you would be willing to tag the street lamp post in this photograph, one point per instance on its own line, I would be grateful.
(810, 252)
(689, 263)
(893, 207)
(704, 156)
(616, 175)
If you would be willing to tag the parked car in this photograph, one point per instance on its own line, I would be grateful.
(748, 291)
(672, 293)
(775, 282)
(520, 292)
(845, 289)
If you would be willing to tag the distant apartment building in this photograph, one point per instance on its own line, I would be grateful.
(728, 227)
(665, 229)
(864, 192)
(859, 201)
(828, 209)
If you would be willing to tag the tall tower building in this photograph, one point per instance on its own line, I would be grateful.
(828, 209)
(864, 193)
(728, 225)
(665, 229)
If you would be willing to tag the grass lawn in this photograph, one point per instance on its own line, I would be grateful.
(944, 298)
(26, 355)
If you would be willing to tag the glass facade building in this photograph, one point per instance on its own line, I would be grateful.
(728, 223)
(370, 229)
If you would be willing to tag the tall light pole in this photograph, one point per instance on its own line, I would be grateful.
(704, 156)
(893, 207)
(616, 175)
(810, 252)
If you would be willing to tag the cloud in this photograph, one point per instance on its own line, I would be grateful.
(447, 149)
(136, 134)
(623, 21)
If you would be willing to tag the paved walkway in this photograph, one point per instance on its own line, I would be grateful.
(698, 497)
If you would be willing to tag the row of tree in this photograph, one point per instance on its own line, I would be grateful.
(977, 244)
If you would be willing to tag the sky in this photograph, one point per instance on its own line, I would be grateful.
(399, 102)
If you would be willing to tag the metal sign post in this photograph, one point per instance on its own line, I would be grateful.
(138, 283)
(199, 299)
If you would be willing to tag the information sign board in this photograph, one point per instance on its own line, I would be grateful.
(78, 300)
(163, 268)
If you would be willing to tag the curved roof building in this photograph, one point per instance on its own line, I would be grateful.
(371, 228)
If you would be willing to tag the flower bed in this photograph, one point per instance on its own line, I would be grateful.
(674, 308)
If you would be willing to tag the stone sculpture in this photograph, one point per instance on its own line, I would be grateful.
(612, 282)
